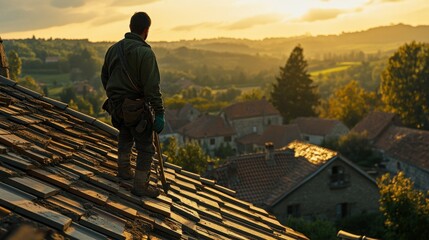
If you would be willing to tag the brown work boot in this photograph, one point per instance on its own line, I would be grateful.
(124, 167)
(142, 186)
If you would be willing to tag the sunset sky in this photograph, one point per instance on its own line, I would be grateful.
(173, 20)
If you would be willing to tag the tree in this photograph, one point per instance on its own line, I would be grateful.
(15, 65)
(349, 104)
(405, 209)
(190, 157)
(405, 84)
(356, 147)
(30, 82)
(293, 94)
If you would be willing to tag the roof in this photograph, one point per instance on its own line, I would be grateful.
(405, 144)
(316, 126)
(248, 109)
(207, 126)
(279, 135)
(57, 172)
(255, 179)
(374, 123)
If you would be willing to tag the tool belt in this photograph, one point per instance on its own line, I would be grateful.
(133, 111)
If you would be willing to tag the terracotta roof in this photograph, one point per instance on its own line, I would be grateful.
(279, 135)
(255, 108)
(255, 179)
(408, 145)
(374, 123)
(316, 126)
(207, 126)
(57, 172)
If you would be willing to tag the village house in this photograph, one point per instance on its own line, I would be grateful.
(301, 180)
(403, 149)
(58, 180)
(176, 119)
(317, 130)
(251, 117)
(211, 132)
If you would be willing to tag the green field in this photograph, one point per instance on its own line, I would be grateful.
(341, 66)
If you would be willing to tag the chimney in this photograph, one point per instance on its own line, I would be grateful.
(4, 66)
(269, 154)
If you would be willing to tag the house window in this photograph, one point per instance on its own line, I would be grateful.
(294, 210)
(269, 122)
(338, 178)
(212, 141)
(306, 138)
(398, 166)
(343, 210)
(227, 139)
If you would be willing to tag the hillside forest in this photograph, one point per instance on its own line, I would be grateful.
(213, 73)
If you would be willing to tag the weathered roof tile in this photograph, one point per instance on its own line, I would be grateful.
(33, 186)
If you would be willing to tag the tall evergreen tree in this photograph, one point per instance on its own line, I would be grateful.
(294, 94)
(405, 84)
(15, 65)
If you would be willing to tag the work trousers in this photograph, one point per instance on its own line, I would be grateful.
(143, 142)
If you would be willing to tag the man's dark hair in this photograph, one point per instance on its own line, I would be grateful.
(139, 22)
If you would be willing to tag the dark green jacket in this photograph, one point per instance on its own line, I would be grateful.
(143, 68)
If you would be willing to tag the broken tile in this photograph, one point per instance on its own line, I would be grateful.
(89, 192)
(116, 205)
(77, 170)
(209, 213)
(24, 120)
(33, 186)
(104, 183)
(168, 227)
(12, 140)
(52, 178)
(156, 206)
(76, 231)
(44, 215)
(227, 197)
(186, 212)
(212, 226)
(105, 223)
(11, 197)
(16, 161)
(75, 209)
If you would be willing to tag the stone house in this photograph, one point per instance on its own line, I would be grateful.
(251, 117)
(403, 149)
(301, 180)
(316, 130)
(210, 131)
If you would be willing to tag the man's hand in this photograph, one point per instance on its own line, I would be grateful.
(159, 122)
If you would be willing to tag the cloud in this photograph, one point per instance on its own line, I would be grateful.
(109, 18)
(67, 3)
(195, 26)
(17, 16)
(132, 2)
(253, 21)
(321, 14)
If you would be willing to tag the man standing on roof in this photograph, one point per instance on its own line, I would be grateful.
(131, 79)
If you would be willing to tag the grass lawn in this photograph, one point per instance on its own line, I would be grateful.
(341, 66)
(52, 80)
